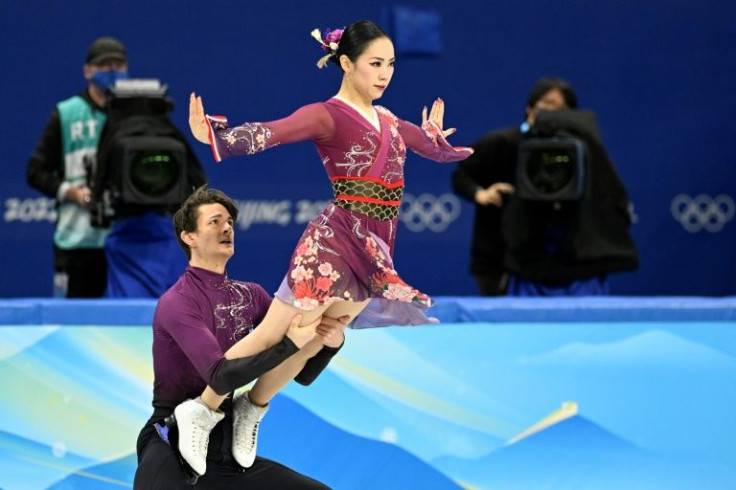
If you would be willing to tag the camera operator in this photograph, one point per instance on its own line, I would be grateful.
(59, 166)
(524, 246)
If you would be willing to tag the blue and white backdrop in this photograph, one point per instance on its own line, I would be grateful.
(658, 74)
(605, 393)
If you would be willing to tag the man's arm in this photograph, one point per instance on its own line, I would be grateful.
(480, 178)
(44, 170)
(183, 320)
(230, 374)
(331, 338)
(315, 365)
(473, 174)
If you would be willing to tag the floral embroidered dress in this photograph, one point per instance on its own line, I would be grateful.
(346, 252)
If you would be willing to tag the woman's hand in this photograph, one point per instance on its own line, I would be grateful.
(436, 115)
(197, 123)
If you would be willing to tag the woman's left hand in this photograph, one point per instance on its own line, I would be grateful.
(436, 115)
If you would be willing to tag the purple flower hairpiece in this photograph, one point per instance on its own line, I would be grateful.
(329, 43)
(332, 38)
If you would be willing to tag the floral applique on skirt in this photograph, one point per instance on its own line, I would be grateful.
(339, 258)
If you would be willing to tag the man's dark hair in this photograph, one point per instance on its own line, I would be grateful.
(185, 219)
(546, 84)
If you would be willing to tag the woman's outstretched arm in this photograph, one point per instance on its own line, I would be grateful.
(430, 141)
(311, 122)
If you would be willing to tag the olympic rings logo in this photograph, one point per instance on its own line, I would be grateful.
(427, 211)
(703, 212)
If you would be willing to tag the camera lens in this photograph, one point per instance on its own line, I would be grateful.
(154, 173)
(550, 170)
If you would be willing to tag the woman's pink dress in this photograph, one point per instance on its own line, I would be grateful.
(346, 252)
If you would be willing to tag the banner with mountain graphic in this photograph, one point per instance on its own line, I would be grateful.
(505, 405)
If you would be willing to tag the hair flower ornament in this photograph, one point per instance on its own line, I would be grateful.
(330, 43)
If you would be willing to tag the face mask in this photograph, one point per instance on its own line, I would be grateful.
(106, 79)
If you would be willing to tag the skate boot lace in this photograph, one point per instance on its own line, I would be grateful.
(200, 437)
(248, 443)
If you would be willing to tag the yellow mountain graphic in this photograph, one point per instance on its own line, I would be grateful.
(567, 410)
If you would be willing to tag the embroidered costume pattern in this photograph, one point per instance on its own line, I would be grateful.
(231, 313)
(252, 137)
(345, 253)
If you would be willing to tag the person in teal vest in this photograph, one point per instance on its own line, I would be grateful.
(60, 167)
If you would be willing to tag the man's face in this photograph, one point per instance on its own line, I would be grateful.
(107, 65)
(551, 101)
(214, 238)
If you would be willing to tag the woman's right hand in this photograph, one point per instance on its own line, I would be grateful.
(197, 123)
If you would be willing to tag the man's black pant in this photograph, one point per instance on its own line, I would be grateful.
(86, 270)
(159, 466)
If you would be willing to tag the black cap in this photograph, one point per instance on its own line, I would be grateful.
(106, 48)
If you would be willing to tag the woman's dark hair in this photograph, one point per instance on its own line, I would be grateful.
(355, 38)
(185, 219)
(546, 84)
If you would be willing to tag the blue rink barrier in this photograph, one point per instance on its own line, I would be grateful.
(448, 309)
(505, 393)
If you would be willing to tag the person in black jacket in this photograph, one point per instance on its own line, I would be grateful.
(60, 168)
(523, 247)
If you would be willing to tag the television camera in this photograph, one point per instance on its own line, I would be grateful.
(553, 161)
(143, 161)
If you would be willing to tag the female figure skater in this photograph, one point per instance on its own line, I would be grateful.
(342, 265)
